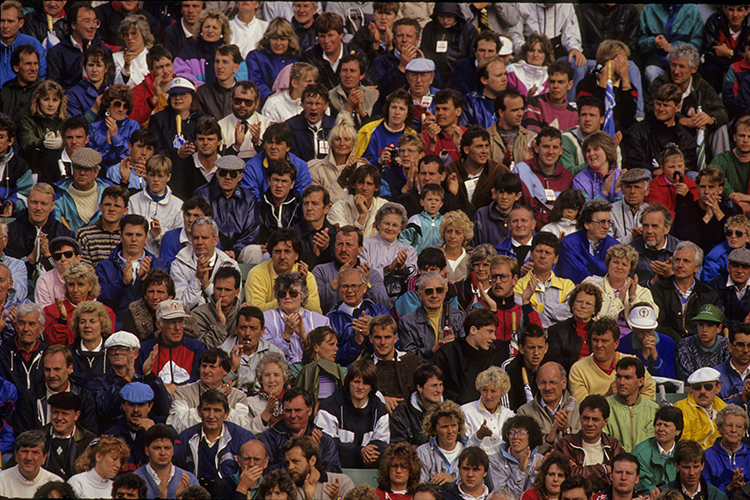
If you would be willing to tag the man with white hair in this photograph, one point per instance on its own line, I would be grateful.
(21, 354)
(195, 266)
(16, 266)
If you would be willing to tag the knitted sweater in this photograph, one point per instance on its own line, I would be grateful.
(587, 378)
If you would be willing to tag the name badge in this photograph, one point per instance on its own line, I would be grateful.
(323, 147)
(442, 46)
(550, 194)
(426, 101)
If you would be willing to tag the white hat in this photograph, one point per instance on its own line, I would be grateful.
(181, 85)
(642, 318)
(704, 374)
(122, 339)
(506, 46)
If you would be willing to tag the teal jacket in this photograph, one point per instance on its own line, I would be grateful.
(653, 470)
(65, 207)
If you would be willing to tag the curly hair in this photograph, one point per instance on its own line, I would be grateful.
(533, 39)
(290, 279)
(732, 410)
(589, 289)
(460, 219)
(118, 92)
(226, 30)
(493, 376)
(140, 23)
(315, 338)
(47, 88)
(554, 458)
(586, 214)
(403, 452)
(96, 309)
(81, 270)
(280, 28)
(278, 359)
(622, 251)
(278, 478)
(738, 220)
(523, 422)
(391, 208)
(104, 444)
(446, 409)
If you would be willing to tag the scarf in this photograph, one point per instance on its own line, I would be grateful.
(278, 409)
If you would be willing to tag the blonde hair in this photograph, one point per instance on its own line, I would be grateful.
(738, 220)
(610, 49)
(95, 308)
(46, 88)
(280, 28)
(104, 445)
(493, 376)
(159, 165)
(301, 69)
(460, 219)
(622, 251)
(82, 270)
(226, 30)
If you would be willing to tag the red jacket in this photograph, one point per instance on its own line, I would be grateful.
(661, 191)
(57, 331)
(572, 447)
(512, 318)
(143, 107)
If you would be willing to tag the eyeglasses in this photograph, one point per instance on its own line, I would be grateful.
(518, 432)
(292, 293)
(708, 386)
(603, 222)
(347, 286)
(736, 232)
(502, 277)
(246, 102)
(741, 345)
(431, 291)
(59, 255)
(231, 173)
(89, 22)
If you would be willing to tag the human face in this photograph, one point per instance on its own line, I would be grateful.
(163, 66)
(212, 30)
(383, 19)
(454, 237)
(181, 102)
(296, 414)
(207, 145)
(134, 40)
(297, 465)
(478, 151)
(707, 332)
(513, 113)
(553, 480)
(665, 111)
(249, 332)
(10, 22)
(390, 227)
(635, 192)
(405, 36)
(78, 290)
(212, 416)
(133, 239)
(189, 217)
(86, 25)
(40, 205)
(543, 258)
(226, 292)
(446, 20)
(225, 67)
(244, 103)
(346, 247)
(118, 110)
(283, 257)
(521, 224)
(292, 301)
(134, 412)
(429, 174)
(328, 349)
(212, 374)
(342, 145)
(505, 200)
(108, 464)
(279, 45)
(446, 431)
(28, 67)
(472, 476)
(481, 338)
(431, 203)
(590, 120)
(49, 104)
(313, 208)
(433, 293)
(351, 75)
(52, 7)
(597, 159)
(383, 342)
(190, 10)
(431, 391)
(683, 263)
(160, 452)
(30, 460)
(397, 113)
(228, 180)
(654, 230)
(485, 49)
(56, 372)
(90, 327)
(272, 379)
(359, 391)
(627, 382)
(618, 270)
(583, 307)
(204, 242)
(84, 178)
(304, 12)
(121, 357)
(681, 71)
(592, 424)
(63, 421)
(604, 346)
(275, 150)
(330, 42)
(738, 237)
(446, 114)
(735, 14)
(690, 473)
(665, 432)
(172, 330)
(742, 138)
(732, 431)
(705, 394)
(398, 474)
(351, 288)
(624, 476)
(157, 182)
(535, 55)
(502, 281)
(75, 138)
(518, 438)
(366, 188)
(551, 384)
(5, 142)
(314, 107)
(574, 494)
(706, 189)
(558, 84)
(740, 350)
(548, 151)
(113, 209)
(533, 351)
(155, 294)
(596, 230)
(739, 273)
(490, 396)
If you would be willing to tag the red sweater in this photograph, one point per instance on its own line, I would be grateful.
(59, 332)
(661, 191)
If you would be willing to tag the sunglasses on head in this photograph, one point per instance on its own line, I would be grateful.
(67, 254)
(231, 173)
(430, 291)
(292, 293)
(736, 232)
(709, 386)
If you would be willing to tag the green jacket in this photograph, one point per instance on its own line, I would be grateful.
(309, 376)
(30, 134)
(653, 470)
(630, 424)
(736, 173)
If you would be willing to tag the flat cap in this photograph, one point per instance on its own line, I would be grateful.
(65, 401)
(421, 65)
(636, 175)
(705, 374)
(181, 85)
(86, 158)
(122, 339)
(230, 162)
(642, 318)
(711, 313)
(170, 309)
(137, 392)
(740, 256)
(64, 241)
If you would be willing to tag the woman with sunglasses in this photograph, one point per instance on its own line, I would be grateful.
(514, 466)
(111, 135)
(287, 326)
(737, 233)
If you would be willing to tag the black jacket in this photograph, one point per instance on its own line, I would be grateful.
(15, 99)
(460, 38)
(564, 343)
(671, 320)
(326, 75)
(304, 145)
(716, 32)
(599, 23)
(21, 373)
(272, 217)
(644, 142)
(710, 102)
(164, 126)
(174, 39)
(689, 225)
(735, 310)
(306, 235)
(33, 408)
(22, 235)
(517, 392)
(111, 18)
(81, 439)
(406, 422)
(35, 24)
(462, 363)
(215, 100)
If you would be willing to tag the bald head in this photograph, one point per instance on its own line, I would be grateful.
(552, 382)
(253, 454)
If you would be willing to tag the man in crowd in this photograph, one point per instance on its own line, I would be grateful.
(134, 420)
(700, 407)
(552, 108)
(70, 207)
(731, 285)
(217, 318)
(22, 481)
(159, 443)
(351, 96)
(626, 213)
(302, 460)
(406, 420)
(655, 246)
(65, 57)
(656, 351)
(21, 354)
(16, 93)
(244, 126)
(508, 139)
(590, 120)
(98, 240)
(67, 439)
(58, 165)
(480, 104)
(735, 388)
(316, 233)
(215, 96)
(311, 127)
(706, 347)
(524, 367)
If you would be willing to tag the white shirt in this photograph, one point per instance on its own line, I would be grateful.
(247, 35)
(228, 125)
(335, 65)
(91, 485)
(155, 476)
(138, 68)
(14, 485)
(280, 107)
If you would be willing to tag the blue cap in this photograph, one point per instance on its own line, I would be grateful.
(137, 392)
(421, 65)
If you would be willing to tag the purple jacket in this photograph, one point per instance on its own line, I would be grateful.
(489, 226)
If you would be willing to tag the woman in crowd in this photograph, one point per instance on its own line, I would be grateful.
(737, 232)
(437, 469)
(277, 485)
(486, 416)
(528, 73)
(81, 284)
(384, 252)
(288, 325)
(401, 176)
(554, 470)
(562, 218)
(377, 141)
(729, 453)
(318, 372)
(39, 132)
(111, 135)
(273, 377)
(398, 473)
(90, 324)
(514, 467)
(279, 47)
(288, 87)
(98, 466)
(83, 97)
(130, 63)
(457, 230)
(182, 101)
(361, 205)
(568, 340)
(600, 175)
(196, 62)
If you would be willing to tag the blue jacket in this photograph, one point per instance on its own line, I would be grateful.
(505, 247)
(732, 383)
(112, 153)
(8, 401)
(21, 373)
(65, 207)
(275, 436)
(115, 293)
(262, 68)
(65, 62)
(576, 263)
(136, 441)
(664, 365)
(304, 146)
(464, 78)
(489, 225)
(81, 97)
(170, 245)
(152, 489)
(341, 322)
(236, 217)
(735, 310)
(479, 110)
(254, 177)
(6, 71)
(720, 466)
(716, 262)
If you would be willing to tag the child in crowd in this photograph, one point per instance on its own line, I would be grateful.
(39, 132)
(491, 222)
(130, 172)
(672, 188)
(16, 176)
(423, 229)
(562, 218)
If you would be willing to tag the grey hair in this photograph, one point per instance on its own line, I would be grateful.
(501, 494)
(685, 51)
(485, 251)
(291, 279)
(362, 275)
(732, 410)
(30, 439)
(658, 207)
(586, 215)
(140, 23)
(202, 221)
(685, 245)
(392, 208)
(26, 309)
(273, 357)
(423, 278)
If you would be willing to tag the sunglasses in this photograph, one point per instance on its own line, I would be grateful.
(59, 255)
(119, 104)
(246, 102)
(431, 291)
(709, 386)
(518, 432)
(231, 173)
(292, 293)
(736, 232)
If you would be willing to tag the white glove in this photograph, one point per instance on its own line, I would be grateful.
(53, 140)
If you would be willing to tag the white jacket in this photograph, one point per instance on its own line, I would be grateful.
(187, 287)
(475, 414)
(168, 211)
(344, 212)
(559, 19)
